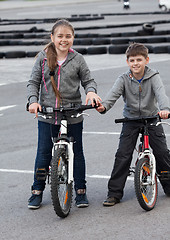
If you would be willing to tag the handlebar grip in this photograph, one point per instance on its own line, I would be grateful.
(27, 106)
(120, 120)
(162, 118)
(85, 107)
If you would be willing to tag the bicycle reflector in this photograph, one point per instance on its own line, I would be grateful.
(41, 174)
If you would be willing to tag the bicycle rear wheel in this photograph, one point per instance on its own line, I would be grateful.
(61, 191)
(146, 192)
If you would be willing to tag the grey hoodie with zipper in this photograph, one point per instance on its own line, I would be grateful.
(144, 99)
(68, 78)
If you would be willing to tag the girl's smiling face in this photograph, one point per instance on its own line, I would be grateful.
(62, 38)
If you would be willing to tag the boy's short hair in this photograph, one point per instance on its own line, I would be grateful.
(135, 49)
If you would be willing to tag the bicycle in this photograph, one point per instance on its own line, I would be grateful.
(145, 176)
(61, 167)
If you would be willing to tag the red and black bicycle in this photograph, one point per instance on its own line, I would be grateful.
(145, 176)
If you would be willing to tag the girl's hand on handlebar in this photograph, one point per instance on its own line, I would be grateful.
(93, 97)
(164, 114)
(34, 108)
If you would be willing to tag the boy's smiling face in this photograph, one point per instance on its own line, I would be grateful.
(137, 65)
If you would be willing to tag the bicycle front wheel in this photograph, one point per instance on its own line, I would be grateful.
(146, 191)
(61, 191)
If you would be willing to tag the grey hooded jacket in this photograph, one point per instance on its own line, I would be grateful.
(68, 77)
(144, 99)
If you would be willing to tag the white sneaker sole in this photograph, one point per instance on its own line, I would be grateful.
(83, 205)
(34, 207)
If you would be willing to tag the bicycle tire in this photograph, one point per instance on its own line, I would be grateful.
(146, 192)
(61, 191)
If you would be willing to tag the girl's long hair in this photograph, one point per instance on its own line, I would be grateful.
(52, 56)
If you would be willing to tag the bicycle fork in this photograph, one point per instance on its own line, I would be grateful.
(68, 145)
(146, 153)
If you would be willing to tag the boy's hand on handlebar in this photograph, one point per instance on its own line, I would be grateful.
(94, 98)
(100, 108)
(35, 108)
(164, 114)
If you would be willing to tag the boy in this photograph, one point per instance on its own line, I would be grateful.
(142, 89)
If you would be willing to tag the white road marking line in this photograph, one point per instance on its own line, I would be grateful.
(102, 133)
(98, 176)
(111, 133)
(31, 172)
(12, 82)
(7, 107)
(105, 177)
(15, 171)
(2, 84)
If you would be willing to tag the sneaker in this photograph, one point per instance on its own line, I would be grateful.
(110, 201)
(81, 198)
(34, 202)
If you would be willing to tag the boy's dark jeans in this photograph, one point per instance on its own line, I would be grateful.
(44, 152)
(123, 157)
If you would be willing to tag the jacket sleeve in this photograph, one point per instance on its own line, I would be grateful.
(113, 95)
(160, 94)
(33, 86)
(87, 82)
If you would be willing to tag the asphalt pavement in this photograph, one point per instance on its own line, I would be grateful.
(19, 137)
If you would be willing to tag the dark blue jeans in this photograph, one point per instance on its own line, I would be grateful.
(44, 152)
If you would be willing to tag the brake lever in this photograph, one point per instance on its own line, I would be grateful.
(158, 123)
(79, 114)
(43, 116)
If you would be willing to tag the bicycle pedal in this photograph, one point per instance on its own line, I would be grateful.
(41, 174)
(164, 175)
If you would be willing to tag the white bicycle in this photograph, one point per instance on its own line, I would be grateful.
(61, 168)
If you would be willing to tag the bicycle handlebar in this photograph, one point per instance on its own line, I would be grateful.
(80, 108)
(122, 120)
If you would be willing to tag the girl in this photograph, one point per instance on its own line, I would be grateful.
(55, 80)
